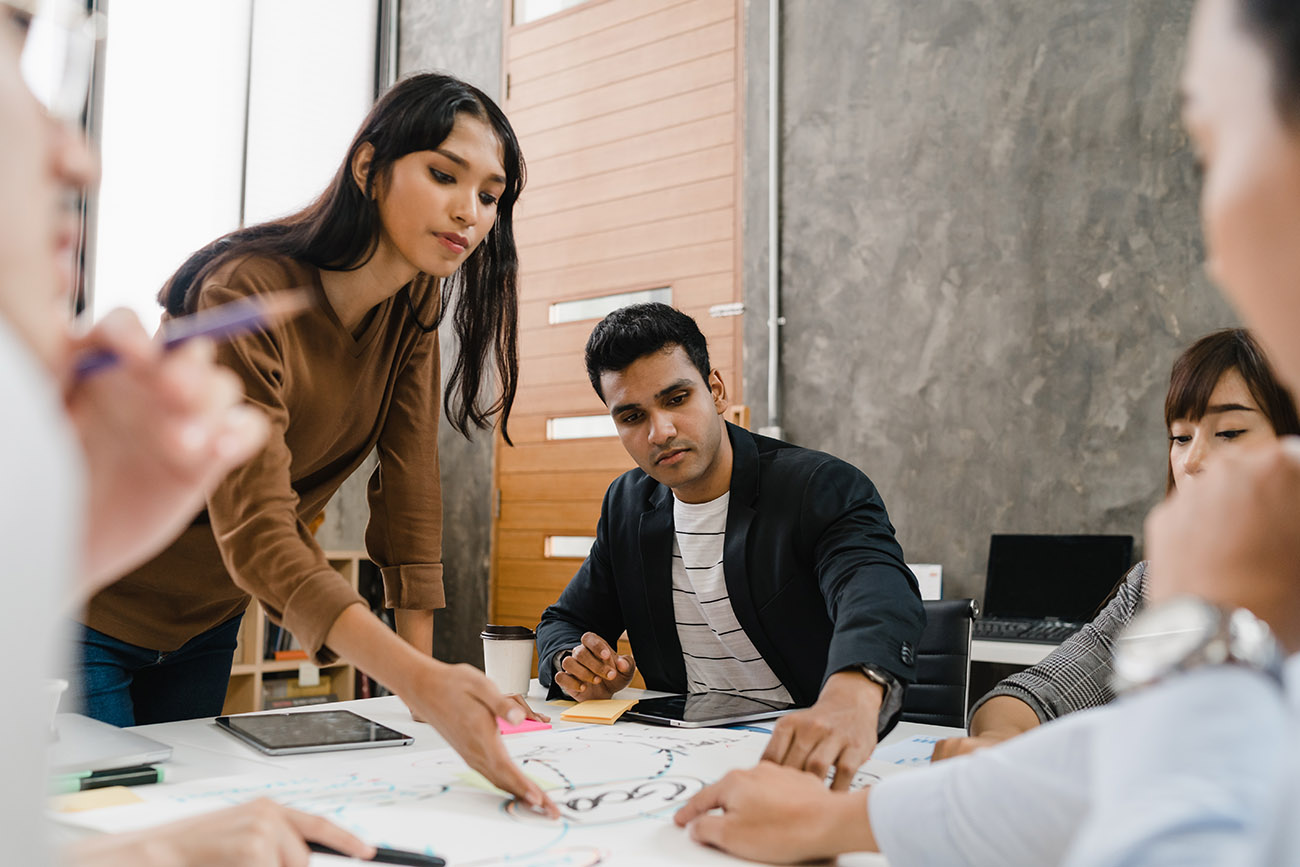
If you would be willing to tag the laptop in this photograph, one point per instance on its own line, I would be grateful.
(85, 744)
(1044, 588)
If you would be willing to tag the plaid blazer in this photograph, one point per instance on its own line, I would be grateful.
(1077, 674)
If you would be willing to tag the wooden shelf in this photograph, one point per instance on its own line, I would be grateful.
(276, 665)
(244, 693)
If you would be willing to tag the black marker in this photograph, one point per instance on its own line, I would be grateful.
(384, 855)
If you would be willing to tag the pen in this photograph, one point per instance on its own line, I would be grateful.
(384, 855)
(226, 320)
(80, 781)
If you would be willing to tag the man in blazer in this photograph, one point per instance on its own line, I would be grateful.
(736, 563)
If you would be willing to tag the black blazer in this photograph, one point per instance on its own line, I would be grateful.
(812, 568)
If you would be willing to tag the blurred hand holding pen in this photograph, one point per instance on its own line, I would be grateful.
(216, 323)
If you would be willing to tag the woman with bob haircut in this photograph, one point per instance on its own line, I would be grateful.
(416, 222)
(1222, 394)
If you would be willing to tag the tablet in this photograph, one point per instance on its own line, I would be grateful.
(315, 731)
(705, 709)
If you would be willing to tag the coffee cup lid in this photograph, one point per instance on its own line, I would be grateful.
(506, 633)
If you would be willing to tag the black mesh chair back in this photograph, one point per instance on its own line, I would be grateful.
(938, 697)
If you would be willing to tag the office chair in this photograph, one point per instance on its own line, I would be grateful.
(938, 697)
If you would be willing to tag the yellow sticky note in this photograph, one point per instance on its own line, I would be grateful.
(563, 702)
(604, 711)
(93, 799)
(475, 780)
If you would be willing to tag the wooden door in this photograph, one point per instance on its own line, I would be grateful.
(628, 112)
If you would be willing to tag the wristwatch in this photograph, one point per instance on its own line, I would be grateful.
(891, 701)
(1187, 632)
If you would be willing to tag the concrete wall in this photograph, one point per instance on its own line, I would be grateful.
(990, 257)
(465, 40)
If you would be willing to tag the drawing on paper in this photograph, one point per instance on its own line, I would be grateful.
(617, 789)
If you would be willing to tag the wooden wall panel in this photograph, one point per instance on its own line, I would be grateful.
(595, 188)
(659, 206)
(632, 122)
(634, 62)
(584, 159)
(549, 47)
(627, 112)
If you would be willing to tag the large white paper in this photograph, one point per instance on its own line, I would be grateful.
(617, 788)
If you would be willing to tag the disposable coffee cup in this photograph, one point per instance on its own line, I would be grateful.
(508, 657)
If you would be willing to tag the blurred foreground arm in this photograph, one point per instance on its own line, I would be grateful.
(159, 431)
(257, 834)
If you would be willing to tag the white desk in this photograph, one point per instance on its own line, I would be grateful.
(202, 753)
(1010, 652)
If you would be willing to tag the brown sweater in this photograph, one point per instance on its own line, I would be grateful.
(331, 398)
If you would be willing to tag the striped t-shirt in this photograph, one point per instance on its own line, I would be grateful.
(719, 655)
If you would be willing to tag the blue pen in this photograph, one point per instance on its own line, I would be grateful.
(227, 320)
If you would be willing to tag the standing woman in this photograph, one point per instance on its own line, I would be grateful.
(418, 214)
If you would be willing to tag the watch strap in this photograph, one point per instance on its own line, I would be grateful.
(891, 702)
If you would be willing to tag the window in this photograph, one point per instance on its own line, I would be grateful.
(579, 427)
(217, 115)
(602, 305)
(531, 10)
(569, 546)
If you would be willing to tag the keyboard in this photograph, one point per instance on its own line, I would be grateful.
(1024, 630)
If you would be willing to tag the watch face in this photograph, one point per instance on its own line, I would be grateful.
(1160, 638)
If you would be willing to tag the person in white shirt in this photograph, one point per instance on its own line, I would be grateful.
(1201, 766)
(96, 475)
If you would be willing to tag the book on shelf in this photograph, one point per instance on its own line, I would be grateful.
(281, 641)
(289, 687)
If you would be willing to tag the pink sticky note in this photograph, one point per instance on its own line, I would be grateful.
(528, 725)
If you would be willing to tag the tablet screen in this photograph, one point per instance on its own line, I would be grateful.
(707, 708)
(311, 730)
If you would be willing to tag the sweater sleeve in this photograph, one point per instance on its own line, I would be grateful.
(1077, 674)
(268, 551)
(404, 535)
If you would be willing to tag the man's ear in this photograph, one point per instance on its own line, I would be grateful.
(719, 390)
(361, 165)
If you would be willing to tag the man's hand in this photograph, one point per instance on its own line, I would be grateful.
(1232, 536)
(159, 431)
(463, 705)
(594, 670)
(839, 731)
(257, 834)
(778, 815)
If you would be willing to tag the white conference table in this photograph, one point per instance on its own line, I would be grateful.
(203, 752)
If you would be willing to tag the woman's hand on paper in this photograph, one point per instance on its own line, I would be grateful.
(257, 834)
(951, 748)
(159, 431)
(463, 705)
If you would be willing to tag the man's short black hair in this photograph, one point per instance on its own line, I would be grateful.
(639, 330)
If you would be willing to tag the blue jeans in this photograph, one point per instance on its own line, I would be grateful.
(126, 685)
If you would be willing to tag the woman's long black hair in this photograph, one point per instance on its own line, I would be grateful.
(340, 232)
